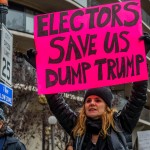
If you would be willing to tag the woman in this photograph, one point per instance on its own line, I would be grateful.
(98, 126)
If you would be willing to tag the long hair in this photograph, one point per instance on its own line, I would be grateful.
(107, 122)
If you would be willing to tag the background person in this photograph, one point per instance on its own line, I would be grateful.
(7, 141)
(69, 145)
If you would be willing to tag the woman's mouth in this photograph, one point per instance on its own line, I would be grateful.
(92, 109)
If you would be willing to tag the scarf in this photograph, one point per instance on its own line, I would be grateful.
(93, 126)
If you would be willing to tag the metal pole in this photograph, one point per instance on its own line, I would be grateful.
(52, 136)
(3, 11)
(43, 129)
(52, 121)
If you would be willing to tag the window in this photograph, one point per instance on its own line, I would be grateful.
(15, 20)
(20, 18)
(29, 21)
(83, 3)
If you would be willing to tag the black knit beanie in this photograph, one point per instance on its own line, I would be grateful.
(103, 92)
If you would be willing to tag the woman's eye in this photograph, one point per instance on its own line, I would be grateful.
(88, 100)
(97, 100)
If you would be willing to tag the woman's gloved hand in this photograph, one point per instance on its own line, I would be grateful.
(30, 57)
(146, 38)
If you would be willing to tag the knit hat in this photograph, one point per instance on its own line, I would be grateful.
(103, 92)
(2, 117)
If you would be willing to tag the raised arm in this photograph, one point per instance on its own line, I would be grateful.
(130, 114)
(66, 117)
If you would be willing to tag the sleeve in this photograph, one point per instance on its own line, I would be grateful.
(130, 114)
(20, 146)
(64, 114)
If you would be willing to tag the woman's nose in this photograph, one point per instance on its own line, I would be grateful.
(92, 102)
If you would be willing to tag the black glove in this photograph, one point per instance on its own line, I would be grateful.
(146, 38)
(30, 57)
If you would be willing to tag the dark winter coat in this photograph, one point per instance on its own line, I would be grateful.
(125, 120)
(10, 142)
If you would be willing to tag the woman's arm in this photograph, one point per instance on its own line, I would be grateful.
(130, 114)
(66, 117)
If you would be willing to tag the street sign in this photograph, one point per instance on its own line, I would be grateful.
(6, 55)
(6, 94)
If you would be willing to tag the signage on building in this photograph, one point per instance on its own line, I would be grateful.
(6, 55)
(6, 94)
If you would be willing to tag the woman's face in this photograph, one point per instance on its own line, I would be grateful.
(94, 106)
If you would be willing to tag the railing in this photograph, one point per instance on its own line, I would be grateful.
(146, 18)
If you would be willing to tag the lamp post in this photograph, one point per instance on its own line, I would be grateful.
(52, 121)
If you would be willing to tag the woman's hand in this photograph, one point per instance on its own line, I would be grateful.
(30, 57)
(146, 38)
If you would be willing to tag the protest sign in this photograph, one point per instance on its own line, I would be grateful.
(90, 47)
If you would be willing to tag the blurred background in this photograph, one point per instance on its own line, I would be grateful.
(29, 114)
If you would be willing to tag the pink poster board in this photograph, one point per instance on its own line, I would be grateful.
(90, 47)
